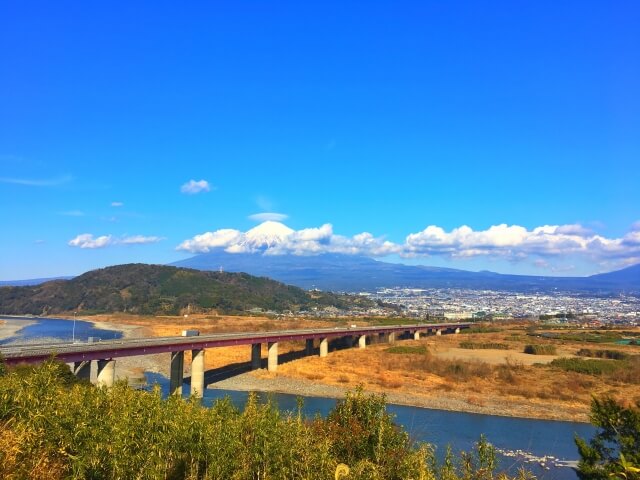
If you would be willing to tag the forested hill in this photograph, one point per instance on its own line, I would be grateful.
(158, 289)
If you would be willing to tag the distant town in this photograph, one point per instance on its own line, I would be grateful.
(485, 305)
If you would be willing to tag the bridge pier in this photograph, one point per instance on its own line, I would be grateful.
(272, 359)
(256, 356)
(416, 335)
(457, 330)
(392, 337)
(106, 373)
(308, 347)
(82, 369)
(438, 332)
(324, 347)
(197, 373)
(176, 373)
(362, 341)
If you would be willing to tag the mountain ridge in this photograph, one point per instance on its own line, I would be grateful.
(339, 272)
(329, 272)
(162, 289)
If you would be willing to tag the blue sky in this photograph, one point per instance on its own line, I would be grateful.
(423, 124)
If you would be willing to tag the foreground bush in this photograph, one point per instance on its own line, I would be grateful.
(614, 452)
(52, 427)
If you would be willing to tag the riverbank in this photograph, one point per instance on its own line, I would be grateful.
(10, 326)
(128, 331)
(344, 369)
(263, 381)
(373, 368)
(434, 372)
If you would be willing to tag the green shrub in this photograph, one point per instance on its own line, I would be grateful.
(629, 371)
(538, 349)
(589, 366)
(484, 346)
(614, 451)
(480, 329)
(609, 354)
(405, 350)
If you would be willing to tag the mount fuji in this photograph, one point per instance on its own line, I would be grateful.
(351, 273)
(267, 235)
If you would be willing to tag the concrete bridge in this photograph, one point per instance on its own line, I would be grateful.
(80, 355)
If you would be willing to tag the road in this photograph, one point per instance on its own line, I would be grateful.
(73, 352)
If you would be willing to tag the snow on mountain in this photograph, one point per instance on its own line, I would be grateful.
(268, 234)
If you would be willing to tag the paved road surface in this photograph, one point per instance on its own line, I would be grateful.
(72, 352)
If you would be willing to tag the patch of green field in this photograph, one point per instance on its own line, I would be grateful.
(480, 329)
(588, 366)
(421, 350)
(484, 346)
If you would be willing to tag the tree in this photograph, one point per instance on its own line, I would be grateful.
(615, 449)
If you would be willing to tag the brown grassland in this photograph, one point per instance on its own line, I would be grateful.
(433, 371)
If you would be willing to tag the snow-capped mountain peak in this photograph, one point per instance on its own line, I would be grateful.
(266, 235)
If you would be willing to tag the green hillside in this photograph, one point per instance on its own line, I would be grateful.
(159, 289)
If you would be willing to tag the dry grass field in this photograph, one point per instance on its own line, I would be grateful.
(477, 377)
(502, 380)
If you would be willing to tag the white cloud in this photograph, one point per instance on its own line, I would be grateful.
(516, 242)
(540, 263)
(38, 182)
(574, 229)
(508, 242)
(266, 216)
(139, 240)
(210, 240)
(87, 240)
(274, 238)
(117, 204)
(192, 187)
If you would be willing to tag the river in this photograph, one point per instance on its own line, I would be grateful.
(534, 438)
(53, 330)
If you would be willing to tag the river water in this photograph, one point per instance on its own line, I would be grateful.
(535, 438)
(56, 330)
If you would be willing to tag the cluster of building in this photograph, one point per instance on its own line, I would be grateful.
(560, 307)
(465, 304)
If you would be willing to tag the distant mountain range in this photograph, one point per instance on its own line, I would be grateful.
(348, 273)
(337, 272)
(31, 281)
(160, 289)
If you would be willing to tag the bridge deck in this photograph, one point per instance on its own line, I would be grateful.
(74, 352)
